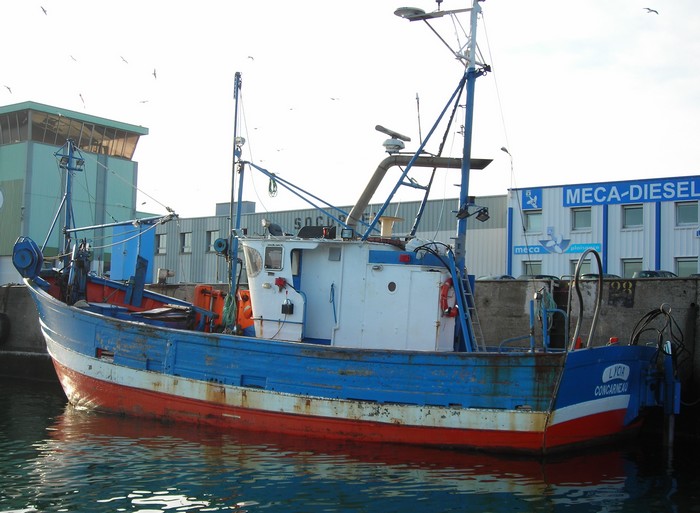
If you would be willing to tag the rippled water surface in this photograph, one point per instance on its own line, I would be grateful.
(55, 458)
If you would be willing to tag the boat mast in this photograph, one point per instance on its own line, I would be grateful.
(471, 74)
(234, 228)
(69, 162)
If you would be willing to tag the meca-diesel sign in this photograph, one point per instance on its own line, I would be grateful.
(668, 189)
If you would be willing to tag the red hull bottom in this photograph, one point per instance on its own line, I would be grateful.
(109, 397)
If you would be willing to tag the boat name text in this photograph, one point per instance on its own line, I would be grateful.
(617, 371)
(612, 388)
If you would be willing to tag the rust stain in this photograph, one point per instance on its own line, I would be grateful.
(215, 393)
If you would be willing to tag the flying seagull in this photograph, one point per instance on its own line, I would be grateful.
(154, 73)
(127, 62)
(650, 10)
(42, 8)
(8, 88)
(81, 99)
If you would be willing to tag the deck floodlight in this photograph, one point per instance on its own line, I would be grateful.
(483, 214)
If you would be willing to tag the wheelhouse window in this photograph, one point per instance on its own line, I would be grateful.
(632, 216)
(533, 221)
(686, 213)
(581, 218)
(273, 258)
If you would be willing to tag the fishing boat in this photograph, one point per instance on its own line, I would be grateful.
(344, 331)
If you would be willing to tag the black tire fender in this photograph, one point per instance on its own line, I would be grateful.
(4, 327)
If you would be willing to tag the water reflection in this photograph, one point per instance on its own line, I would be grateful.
(140, 465)
(69, 460)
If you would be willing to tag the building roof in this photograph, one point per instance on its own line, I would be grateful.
(80, 116)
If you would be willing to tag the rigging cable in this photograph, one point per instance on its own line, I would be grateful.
(441, 148)
(513, 184)
(130, 184)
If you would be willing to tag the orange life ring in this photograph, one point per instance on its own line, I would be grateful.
(445, 308)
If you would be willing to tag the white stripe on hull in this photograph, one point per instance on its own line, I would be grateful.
(281, 403)
(587, 408)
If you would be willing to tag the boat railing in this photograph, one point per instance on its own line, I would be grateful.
(539, 309)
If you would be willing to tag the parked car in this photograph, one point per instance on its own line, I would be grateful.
(548, 277)
(495, 277)
(654, 274)
(594, 276)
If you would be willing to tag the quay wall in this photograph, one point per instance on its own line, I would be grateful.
(22, 347)
(503, 313)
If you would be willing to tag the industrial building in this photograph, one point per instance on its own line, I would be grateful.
(635, 225)
(32, 179)
(186, 248)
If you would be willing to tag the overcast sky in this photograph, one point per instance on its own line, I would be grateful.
(581, 90)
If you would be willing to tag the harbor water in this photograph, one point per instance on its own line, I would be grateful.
(55, 458)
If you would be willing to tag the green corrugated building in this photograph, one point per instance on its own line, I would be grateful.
(32, 184)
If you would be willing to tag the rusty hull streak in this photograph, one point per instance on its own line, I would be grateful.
(215, 393)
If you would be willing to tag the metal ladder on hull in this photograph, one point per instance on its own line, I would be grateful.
(472, 315)
(467, 304)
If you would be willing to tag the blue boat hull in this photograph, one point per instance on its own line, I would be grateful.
(526, 401)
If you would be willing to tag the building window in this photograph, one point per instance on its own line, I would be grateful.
(55, 129)
(533, 221)
(581, 218)
(585, 266)
(632, 216)
(532, 267)
(161, 242)
(686, 213)
(212, 236)
(186, 242)
(685, 266)
(631, 266)
(14, 127)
